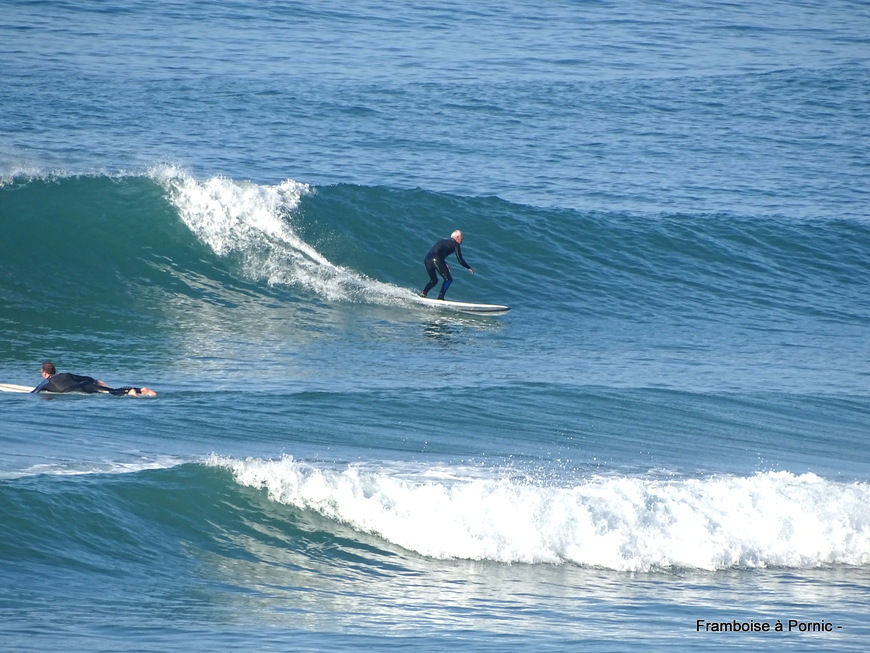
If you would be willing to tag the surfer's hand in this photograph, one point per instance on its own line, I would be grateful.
(471, 270)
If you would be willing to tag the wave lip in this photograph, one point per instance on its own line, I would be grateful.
(255, 225)
(773, 519)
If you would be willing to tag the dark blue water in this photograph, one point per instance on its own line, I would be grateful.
(230, 202)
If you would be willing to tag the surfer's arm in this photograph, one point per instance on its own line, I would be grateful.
(41, 385)
(458, 250)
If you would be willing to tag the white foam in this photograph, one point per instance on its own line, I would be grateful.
(254, 223)
(625, 523)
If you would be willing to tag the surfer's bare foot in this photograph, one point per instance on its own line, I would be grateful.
(142, 392)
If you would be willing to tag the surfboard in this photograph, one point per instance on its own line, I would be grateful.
(463, 307)
(11, 387)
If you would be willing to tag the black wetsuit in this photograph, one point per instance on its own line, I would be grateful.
(435, 262)
(66, 382)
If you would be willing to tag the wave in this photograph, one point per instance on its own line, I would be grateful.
(620, 523)
(624, 523)
(122, 243)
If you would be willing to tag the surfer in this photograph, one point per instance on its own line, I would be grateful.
(66, 382)
(435, 262)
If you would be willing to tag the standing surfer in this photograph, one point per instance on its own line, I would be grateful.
(435, 262)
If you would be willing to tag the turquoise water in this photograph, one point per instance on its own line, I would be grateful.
(230, 202)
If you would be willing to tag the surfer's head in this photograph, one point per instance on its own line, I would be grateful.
(457, 236)
(48, 368)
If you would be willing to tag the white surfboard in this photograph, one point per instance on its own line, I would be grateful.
(463, 307)
(11, 387)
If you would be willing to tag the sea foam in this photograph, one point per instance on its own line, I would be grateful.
(771, 519)
(253, 223)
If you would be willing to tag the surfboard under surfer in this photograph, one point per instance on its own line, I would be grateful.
(66, 382)
(435, 263)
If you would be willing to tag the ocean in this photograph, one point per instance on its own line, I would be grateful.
(663, 446)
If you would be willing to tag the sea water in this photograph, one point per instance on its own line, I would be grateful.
(663, 446)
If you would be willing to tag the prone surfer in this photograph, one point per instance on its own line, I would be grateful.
(66, 382)
(435, 263)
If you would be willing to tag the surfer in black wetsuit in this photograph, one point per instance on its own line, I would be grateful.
(435, 262)
(66, 382)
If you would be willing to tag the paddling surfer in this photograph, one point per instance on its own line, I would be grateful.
(435, 263)
(66, 382)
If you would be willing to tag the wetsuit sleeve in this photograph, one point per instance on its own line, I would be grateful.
(41, 386)
(458, 250)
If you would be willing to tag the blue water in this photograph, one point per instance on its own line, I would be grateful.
(229, 203)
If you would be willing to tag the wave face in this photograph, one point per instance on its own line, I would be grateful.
(73, 238)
